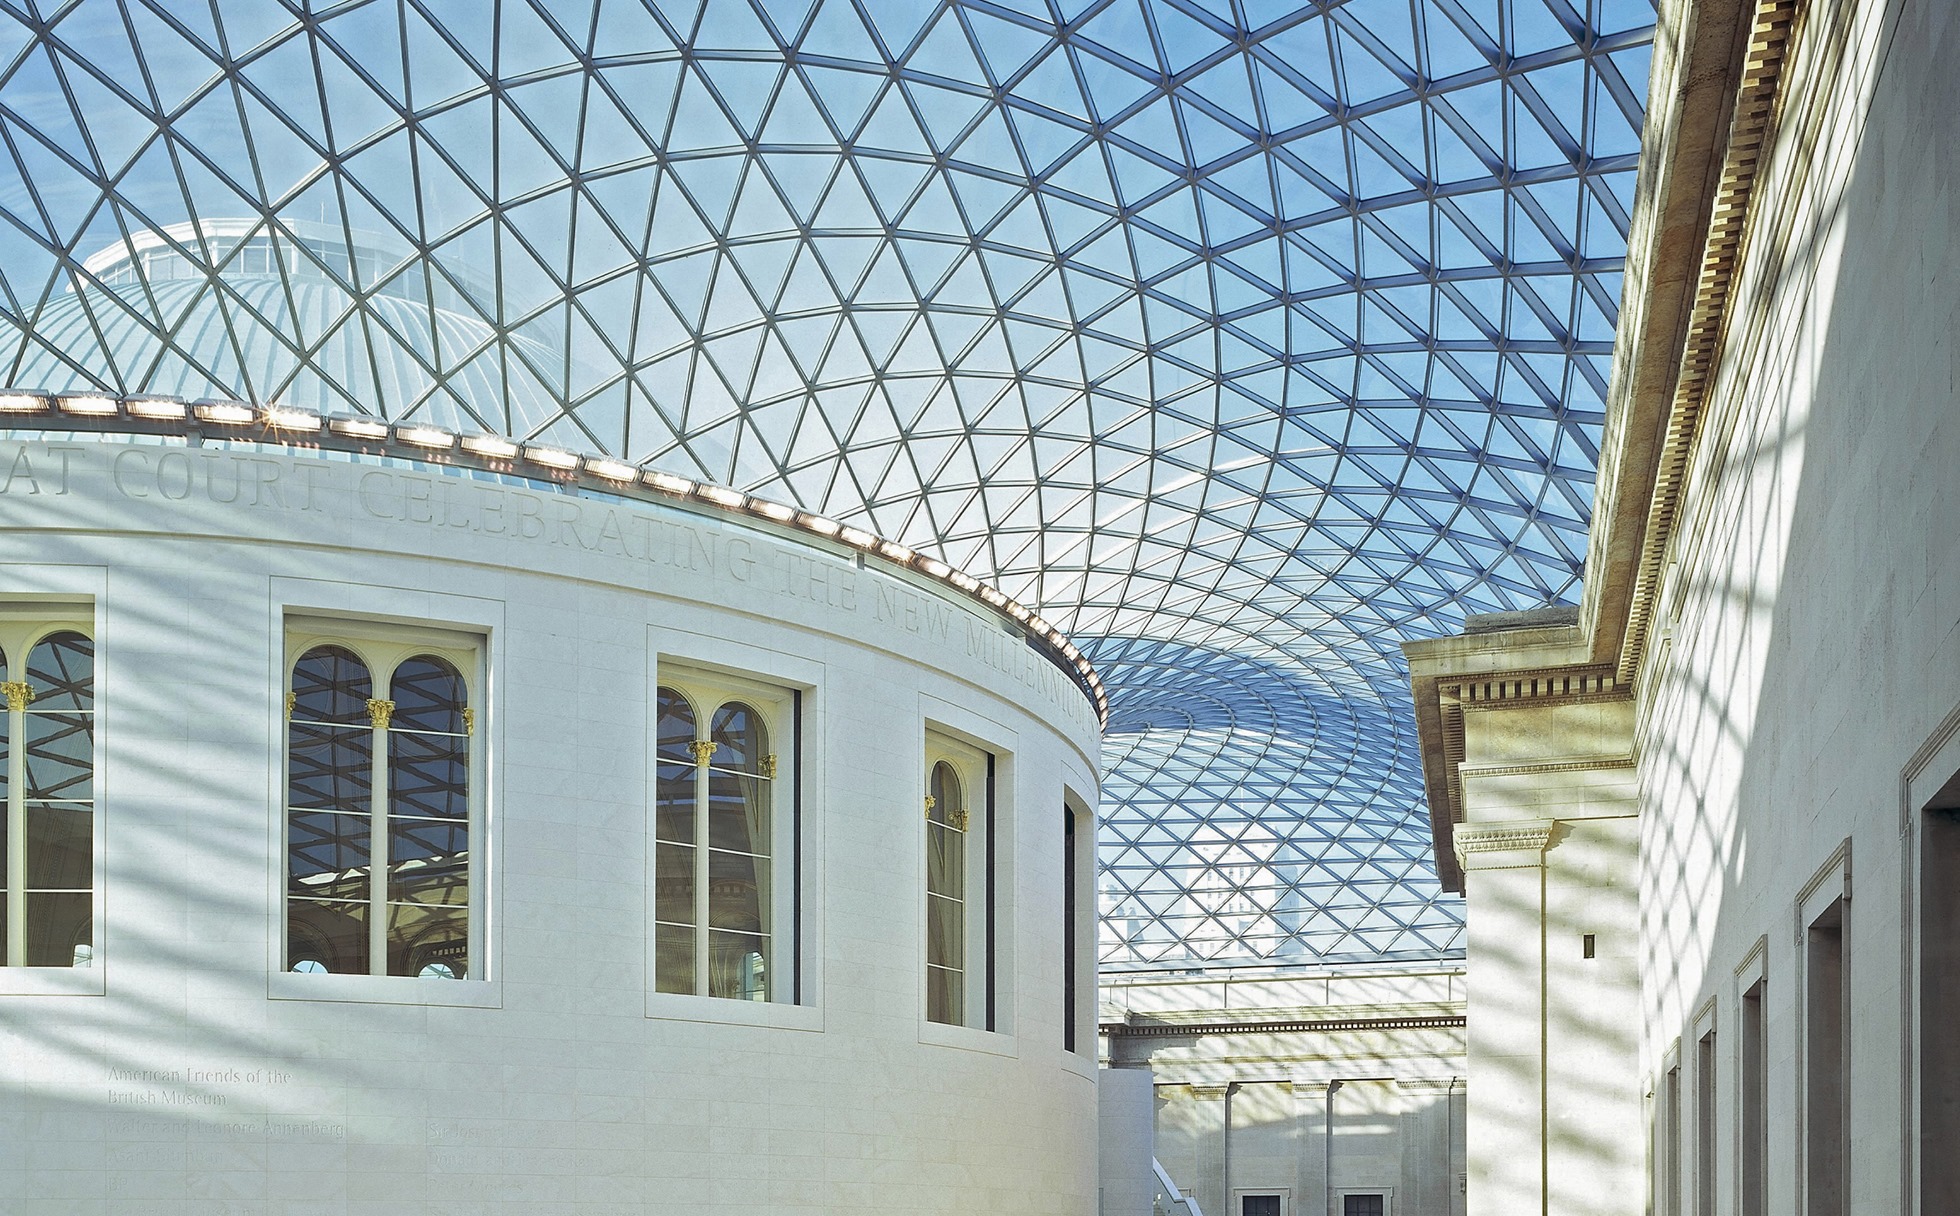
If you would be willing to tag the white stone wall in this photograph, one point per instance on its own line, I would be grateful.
(1549, 844)
(1128, 1142)
(1806, 647)
(184, 1073)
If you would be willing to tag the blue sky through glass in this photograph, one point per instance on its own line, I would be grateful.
(1244, 340)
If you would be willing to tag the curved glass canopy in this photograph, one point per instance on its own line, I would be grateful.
(1244, 340)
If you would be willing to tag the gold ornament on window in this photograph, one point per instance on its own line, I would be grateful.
(930, 803)
(292, 701)
(769, 765)
(18, 694)
(469, 719)
(703, 750)
(380, 712)
(958, 819)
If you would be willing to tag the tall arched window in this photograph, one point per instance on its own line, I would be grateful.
(959, 889)
(720, 916)
(428, 820)
(379, 811)
(947, 819)
(48, 739)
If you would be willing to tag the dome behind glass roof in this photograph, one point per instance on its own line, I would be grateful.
(1243, 340)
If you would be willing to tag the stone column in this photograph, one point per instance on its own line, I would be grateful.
(1310, 1117)
(1549, 853)
(1504, 886)
(1428, 1186)
(1207, 1182)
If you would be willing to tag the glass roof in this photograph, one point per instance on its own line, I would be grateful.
(1242, 339)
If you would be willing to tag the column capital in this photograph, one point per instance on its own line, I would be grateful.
(1311, 1084)
(1515, 844)
(1430, 1085)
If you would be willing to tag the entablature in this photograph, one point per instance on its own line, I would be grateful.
(1715, 89)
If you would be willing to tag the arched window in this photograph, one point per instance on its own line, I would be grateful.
(330, 812)
(428, 821)
(959, 887)
(946, 824)
(48, 738)
(379, 812)
(718, 832)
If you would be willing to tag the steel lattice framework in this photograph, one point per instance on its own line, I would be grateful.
(1243, 339)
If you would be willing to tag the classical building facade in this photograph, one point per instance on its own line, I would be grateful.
(1705, 824)
(1284, 1092)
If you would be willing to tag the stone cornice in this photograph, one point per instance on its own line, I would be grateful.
(1566, 685)
(1568, 765)
(1766, 40)
(1145, 1030)
(1529, 836)
(1429, 1085)
(1443, 697)
(1712, 105)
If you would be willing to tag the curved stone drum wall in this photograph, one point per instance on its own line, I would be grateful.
(667, 922)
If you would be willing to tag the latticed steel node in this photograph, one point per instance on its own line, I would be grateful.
(1243, 340)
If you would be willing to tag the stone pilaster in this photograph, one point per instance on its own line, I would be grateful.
(1504, 879)
(1534, 765)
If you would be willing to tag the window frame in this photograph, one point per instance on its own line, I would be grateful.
(977, 771)
(801, 679)
(1080, 1014)
(384, 651)
(1385, 1193)
(1667, 1135)
(322, 612)
(1929, 811)
(1825, 1044)
(964, 724)
(779, 706)
(1071, 916)
(26, 622)
(1282, 1193)
(1706, 1149)
(1080, 793)
(1751, 1082)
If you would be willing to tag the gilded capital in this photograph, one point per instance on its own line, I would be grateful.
(18, 693)
(704, 750)
(380, 712)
